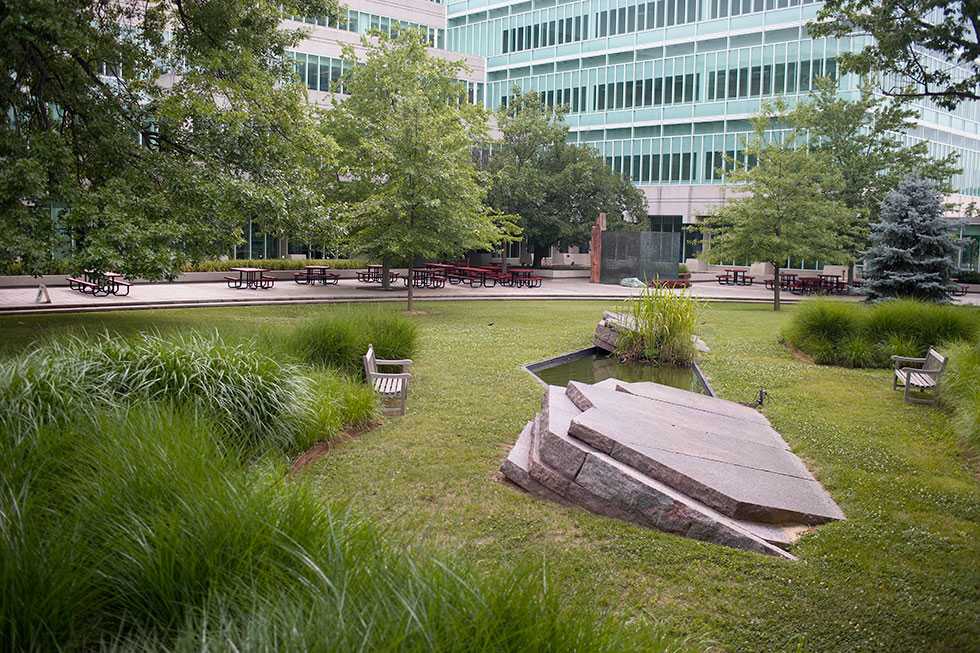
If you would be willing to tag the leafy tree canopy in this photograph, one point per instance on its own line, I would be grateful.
(557, 188)
(786, 205)
(903, 30)
(863, 139)
(409, 180)
(161, 127)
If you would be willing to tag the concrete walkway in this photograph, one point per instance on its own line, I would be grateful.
(22, 300)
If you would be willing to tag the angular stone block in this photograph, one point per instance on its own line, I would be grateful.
(714, 459)
(516, 467)
(714, 405)
(695, 416)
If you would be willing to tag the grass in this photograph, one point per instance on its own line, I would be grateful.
(340, 338)
(257, 401)
(857, 335)
(663, 327)
(899, 574)
(139, 530)
(960, 388)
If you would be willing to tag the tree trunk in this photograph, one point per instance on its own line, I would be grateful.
(503, 260)
(411, 287)
(385, 276)
(775, 288)
(850, 272)
(536, 258)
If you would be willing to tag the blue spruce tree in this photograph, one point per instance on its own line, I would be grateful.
(911, 253)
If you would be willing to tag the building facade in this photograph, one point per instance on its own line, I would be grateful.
(663, 89)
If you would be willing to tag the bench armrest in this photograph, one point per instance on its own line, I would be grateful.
(899, 360)
(401, 362)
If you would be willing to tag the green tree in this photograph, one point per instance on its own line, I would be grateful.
(863, 140)
(162, 127)
(912, 251)
(558, 189)
(903, 31)
(409, 178)
(785, 206)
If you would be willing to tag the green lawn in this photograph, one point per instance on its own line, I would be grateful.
(902, 573)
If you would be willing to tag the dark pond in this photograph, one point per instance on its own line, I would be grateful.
(594, 365)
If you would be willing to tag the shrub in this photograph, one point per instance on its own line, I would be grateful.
(663, 327)
(340, 339)
(960, 387)
(827, 320)
(899, 345)
(137, 530)
(256, 400)
(217, 265)
(924, 323)
(857, 351)
(855, 335)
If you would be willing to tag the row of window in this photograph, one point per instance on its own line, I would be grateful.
(364, 23)
(497, 31)
(321, 73)
(725, 8)
(565, 30)
(677, 80)
(705, 158)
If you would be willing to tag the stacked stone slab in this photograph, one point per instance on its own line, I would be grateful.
(670, 459)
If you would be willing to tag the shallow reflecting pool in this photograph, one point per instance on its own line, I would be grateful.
(594, 365)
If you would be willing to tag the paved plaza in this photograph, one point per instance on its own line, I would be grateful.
(18, 300)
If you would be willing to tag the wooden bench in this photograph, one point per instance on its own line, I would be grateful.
(920, 374)
(392, 387)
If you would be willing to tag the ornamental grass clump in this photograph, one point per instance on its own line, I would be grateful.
(340, 339)
(960, 387)
(857, 335)
(253, 398)
(142, 530)
(662, 327)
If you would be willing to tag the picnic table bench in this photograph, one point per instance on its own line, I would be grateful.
(313, 274)
(373, 274)
(100, 284)
(252, 278)
(919, 374)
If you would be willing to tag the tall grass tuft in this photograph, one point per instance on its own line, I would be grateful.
(960, 387)
(855, 335)
(663, 324)
(254, 399)
(340, 339)
(142, 530)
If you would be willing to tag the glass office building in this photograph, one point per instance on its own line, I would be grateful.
(665, 89)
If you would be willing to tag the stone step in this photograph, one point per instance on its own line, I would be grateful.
(714, 405)
(685, 449)
(592, 479)
(515, 467)
(586, 396)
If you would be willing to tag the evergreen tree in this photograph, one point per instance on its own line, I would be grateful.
(911, 252)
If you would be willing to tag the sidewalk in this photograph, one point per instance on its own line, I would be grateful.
(21, 300)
